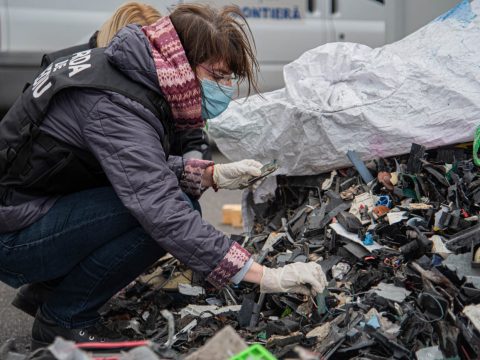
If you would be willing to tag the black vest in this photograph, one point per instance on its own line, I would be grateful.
(33, 163)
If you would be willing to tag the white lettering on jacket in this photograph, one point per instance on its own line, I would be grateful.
(39, 85)
(77, 61)
(76, 64)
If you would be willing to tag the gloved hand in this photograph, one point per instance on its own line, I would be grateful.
(233, 175)
(294, 278)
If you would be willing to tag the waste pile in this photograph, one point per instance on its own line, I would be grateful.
(399, 241)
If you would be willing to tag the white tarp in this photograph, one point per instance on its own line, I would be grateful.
(340, 96)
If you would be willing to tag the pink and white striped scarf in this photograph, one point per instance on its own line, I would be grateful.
(175, 75)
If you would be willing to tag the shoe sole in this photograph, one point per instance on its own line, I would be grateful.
(22, 304)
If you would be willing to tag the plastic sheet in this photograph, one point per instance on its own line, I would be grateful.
(424, 89)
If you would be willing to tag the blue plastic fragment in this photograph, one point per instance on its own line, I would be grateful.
(373, 322)
(385, 201)
(360, 166)
(436, 260)
(321, 302)
(368, 239)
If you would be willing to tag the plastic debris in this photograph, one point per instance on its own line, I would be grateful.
(207, 310)
(320, 332)
(390, 292)
(187, 289)
(430, 353)
(224, 345)
(256, 351)
(367, 239)
(340, 270)
(472, 312)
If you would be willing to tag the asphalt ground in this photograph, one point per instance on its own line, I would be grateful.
(14, 323)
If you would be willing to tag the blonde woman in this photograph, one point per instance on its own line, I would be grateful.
(90, 194)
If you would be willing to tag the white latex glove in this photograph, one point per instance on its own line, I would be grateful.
(294, 278)
(233, 175)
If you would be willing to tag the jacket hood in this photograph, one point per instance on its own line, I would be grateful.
(129, 51)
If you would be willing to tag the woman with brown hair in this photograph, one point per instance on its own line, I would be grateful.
(90, 194)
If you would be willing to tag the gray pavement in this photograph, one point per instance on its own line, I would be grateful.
(14, 323)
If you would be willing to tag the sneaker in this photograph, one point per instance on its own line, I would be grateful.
(30, 297)
(45, 330)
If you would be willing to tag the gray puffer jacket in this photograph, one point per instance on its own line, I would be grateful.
(123, 136)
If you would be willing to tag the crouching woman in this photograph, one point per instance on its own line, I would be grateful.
(89, 193)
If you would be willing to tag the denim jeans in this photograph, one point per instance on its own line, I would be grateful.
(89, 245)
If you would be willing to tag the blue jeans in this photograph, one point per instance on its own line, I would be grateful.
(89, 245)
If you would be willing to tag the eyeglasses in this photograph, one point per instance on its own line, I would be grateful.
(218, 77)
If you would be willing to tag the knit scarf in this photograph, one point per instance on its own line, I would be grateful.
(175, 75)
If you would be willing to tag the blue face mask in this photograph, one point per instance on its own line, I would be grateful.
(215, 98)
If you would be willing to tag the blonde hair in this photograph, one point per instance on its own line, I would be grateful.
(129, 13)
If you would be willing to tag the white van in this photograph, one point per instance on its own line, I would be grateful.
(282, 29)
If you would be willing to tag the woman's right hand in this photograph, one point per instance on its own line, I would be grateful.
(302, 278)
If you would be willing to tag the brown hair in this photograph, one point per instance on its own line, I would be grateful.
(212, 35)
(129, 13)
